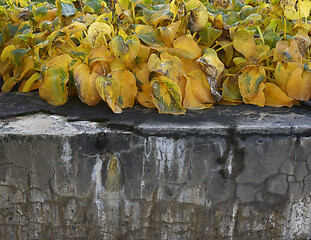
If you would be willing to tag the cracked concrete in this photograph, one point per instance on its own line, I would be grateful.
(84, 180)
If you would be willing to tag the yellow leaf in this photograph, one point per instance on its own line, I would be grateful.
(142, 77)
(27, 66)
(142, 80)
(299, 85)
(276, 97)
(174, 6)
(145, 99)
(126, 50)
(128, 89)
(228, 50)
(101, 54)
(97, 33)
(59, 61)
(6, 52)
(169, 66)
(109, 90)
(244, 42)
(143, 54)
(305, 7)
(166, 96)
(74, 28)
(28, 85)
(53, 88)
(249, 80)
(168, 33)
(287, 51)
(281, 76)
(190, 65)
(160, 17)
(116, 65)
(259, 98)
(303, 40)
(185, 46)
(290, 12)
(262, 53)
(8, 84)
(85, 82)
(5, 67)
(198, 92)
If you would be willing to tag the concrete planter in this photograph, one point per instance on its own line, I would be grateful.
(237, 172)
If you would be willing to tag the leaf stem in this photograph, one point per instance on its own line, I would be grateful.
(284, 18)
(269, 69)
(260, 33)
(229, 44)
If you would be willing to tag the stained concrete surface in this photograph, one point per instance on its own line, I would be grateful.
(246, 175)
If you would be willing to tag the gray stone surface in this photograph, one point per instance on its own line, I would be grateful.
(277, 184)
(89, 180)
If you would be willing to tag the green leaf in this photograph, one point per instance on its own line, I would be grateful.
(247, 11)
(40, 13)
(17, 56)
(93, 4)
(148, 35)
(26, 35)
(271, 38)
(1, 38)
(252, 19)
(51, 26)
(230, 91)
(9, 31)
(68, 8)
(209, 35)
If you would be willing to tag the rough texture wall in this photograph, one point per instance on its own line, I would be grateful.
(82, 180)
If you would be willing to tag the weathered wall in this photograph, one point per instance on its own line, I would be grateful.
(81, 180)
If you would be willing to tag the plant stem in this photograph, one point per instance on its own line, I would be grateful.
(229, 44)
(260, 33)
(269, 69)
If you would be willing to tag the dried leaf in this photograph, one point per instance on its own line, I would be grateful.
(213, 69)
(198, 15)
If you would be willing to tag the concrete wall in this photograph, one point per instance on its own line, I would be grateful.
(82, 180)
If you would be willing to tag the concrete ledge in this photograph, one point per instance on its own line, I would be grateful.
(224, 173)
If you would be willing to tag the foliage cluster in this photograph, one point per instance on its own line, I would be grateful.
(173, 55)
